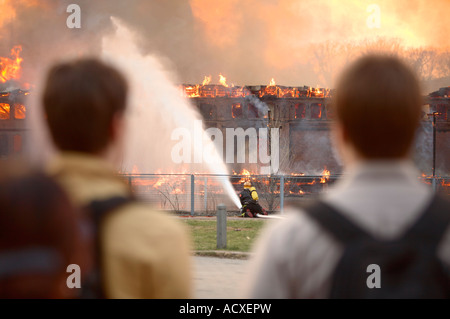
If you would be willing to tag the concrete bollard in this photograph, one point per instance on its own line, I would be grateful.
(221, 226)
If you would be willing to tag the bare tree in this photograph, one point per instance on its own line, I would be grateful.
(324, 60)
(423, 61)
(170, 195)
(443, 61)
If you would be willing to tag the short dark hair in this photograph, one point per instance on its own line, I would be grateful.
(378, 102)
(80, 100)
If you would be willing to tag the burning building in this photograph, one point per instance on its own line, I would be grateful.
(304, 115)
(13, 111)
(13, 129)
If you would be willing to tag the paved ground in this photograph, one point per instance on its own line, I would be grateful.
(219, 278)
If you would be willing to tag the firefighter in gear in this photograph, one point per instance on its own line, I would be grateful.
(249, 200)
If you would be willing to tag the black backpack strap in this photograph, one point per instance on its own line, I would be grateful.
(93, 287)
(431, 226)
(335, 222)
(99, 208)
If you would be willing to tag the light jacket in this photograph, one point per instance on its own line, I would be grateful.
(146, 253)
(296, 258)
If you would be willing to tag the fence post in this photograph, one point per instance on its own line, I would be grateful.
(192, 194)
(221, 226)
(206, 194)
(281, 194)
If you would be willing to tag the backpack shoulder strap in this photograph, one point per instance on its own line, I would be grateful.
(93, 287)
(335, 222)
(431, 226)
(99, 208)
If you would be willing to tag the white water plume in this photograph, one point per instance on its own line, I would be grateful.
(156, 109)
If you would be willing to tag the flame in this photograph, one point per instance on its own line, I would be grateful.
(272, 82)
(190, 90)
(319, 91)
(10, 67)
(19, 111)
(138, 182)
(176, 191)
(223, 80)
(224, 90)
(325, 176)
(245, 173)
(4, 111)
(246, 176)
(206, 80)
(161, 181)
(236, 110)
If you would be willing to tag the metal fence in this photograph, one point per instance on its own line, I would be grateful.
(201, 193)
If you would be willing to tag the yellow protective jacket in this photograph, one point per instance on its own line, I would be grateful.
(145, 253)
(252, 190)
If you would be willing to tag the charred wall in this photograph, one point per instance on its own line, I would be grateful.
(305, 125)
(13, 127)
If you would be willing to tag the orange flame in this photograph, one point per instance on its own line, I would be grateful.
(272, 82)
(325, 176)
(223, 80)
(246, 176)
(206, 80)
(10, 67)
(19, 111)
(4, 111)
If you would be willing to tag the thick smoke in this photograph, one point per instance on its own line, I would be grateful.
(248, 41)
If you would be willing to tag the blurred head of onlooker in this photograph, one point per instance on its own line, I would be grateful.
(378, 105)
(39, 235)
(84, 102)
